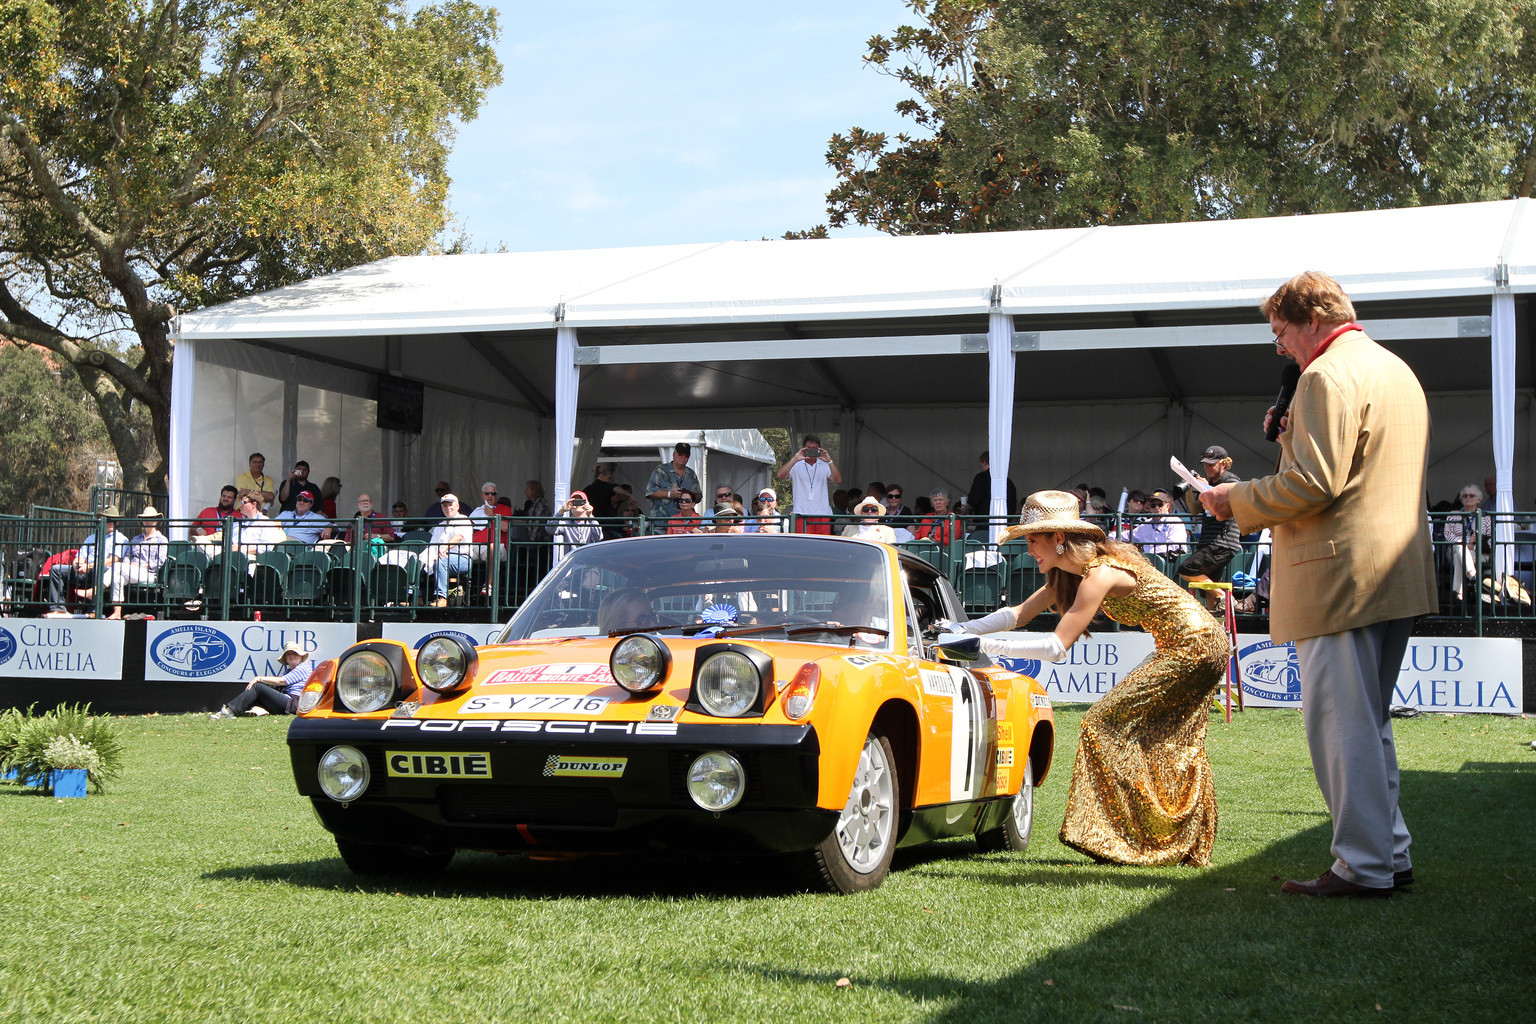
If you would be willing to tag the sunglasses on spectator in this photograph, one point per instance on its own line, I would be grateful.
(490, 494)
(1156, 503)
(893, 496)
(685, 501)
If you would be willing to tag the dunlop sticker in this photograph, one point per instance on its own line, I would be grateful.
(408, 764)
(558, 765)
(1039, 700)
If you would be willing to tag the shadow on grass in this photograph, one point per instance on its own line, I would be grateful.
(1226, 944)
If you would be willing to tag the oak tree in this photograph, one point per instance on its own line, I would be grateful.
(1053, 113)
(158, 155)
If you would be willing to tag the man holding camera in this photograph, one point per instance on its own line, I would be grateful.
(810, 471)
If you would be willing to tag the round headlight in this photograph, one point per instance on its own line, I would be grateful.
(443, 664)
(366, 682)
(640, 662)
(716, 781)
(728, 685)
(343, 773)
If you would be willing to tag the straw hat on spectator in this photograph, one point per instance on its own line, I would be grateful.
(869, 507)
(1051, 512)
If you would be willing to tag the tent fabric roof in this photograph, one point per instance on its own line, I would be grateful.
(1378, 255)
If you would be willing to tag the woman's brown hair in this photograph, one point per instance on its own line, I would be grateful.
(1084, 548)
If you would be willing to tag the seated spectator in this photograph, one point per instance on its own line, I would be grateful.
(90, 568)
(1098, 502)
(574, 525)
(893, 505)
(922, 505)
(448, 550)
(840, 501)
(211, 519)
(254, 532)
(298, 482)
(330, 490)
(142, 558)
(303, 524)
(1462, 537)
(722, 497)
(876, 489)
(727, 519)
(1161, 532)
(256, 482)
(367, 520)
(399, 513)
(487, 507)
(938, 526)
(272, 695)
(765, 512)
(869, 527)
(686, 520)
(536, 506)
(435, 510)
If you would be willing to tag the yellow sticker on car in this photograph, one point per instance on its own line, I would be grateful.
(412, 764)
(1005, 733)
(557, 765)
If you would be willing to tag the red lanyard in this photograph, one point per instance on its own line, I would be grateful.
(1351, 326)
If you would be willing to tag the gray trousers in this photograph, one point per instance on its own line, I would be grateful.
(1346, 692)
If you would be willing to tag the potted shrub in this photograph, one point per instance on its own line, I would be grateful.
(28, 755)
(11, 721)
(70, 763)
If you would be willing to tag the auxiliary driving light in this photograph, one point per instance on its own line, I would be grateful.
(640, 662)
(444, 664)
(716, 781)
(365, 682)
(343, 773)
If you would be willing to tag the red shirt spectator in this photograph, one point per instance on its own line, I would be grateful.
(377, 525)
(938, 527)
(211, 519)
(687, 520)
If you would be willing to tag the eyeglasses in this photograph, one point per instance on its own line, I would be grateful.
(893, 497)
(488, 494)
(685, 501)
(1155, 503)
(1282, 333)
(1470, 495)
(723, 495)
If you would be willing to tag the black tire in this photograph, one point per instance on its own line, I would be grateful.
(857, 855)
(376, 859)
(1013, 833)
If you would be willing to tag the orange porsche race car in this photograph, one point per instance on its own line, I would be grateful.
(736, 693)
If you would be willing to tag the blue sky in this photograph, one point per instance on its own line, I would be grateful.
(649, 122)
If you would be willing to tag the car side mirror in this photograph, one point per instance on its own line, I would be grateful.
(961, 648)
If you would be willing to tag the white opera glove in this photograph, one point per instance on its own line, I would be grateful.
(997, 622)
(1045, 648)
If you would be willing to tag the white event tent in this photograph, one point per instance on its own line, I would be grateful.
(1082, 353)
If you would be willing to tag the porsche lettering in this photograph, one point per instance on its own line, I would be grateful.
(524, 726)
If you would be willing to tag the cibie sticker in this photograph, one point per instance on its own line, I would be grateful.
(410, 764)
(550, 674)
(557, 765)
(937, 684)
(546, 703)
(1005, 757)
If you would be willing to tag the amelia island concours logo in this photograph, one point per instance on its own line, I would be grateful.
(193, 651)
(1271, 671)
(7, 646)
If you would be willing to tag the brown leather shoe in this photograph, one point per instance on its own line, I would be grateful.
(1330, 884)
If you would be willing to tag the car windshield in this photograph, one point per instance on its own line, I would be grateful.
(776, 586)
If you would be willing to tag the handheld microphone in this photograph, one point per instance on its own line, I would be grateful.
(1288, 378)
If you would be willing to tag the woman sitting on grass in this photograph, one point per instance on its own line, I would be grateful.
(272, 695)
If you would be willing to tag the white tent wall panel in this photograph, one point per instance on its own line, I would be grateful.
(467, 442)
(235, 413)
(338, 436)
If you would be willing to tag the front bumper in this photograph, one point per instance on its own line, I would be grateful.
(530, 799)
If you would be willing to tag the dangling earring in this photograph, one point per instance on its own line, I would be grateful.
(1061, 549)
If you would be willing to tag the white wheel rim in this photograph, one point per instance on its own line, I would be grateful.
(1024, 803)
(864, 829)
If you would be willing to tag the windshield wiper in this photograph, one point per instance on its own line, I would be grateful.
(841, 630)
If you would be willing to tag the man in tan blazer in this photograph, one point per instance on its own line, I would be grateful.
(1352, 565)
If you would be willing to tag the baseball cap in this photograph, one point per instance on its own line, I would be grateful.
(579, 495)
(725, 509)
(683, 448)
(1215, 453)
(768, 492)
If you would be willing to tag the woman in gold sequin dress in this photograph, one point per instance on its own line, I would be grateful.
(1141, 788)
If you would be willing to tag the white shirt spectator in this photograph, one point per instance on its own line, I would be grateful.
(810, 485)
(1162, 535)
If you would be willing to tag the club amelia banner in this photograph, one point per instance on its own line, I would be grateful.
(215, 652)
(61, 649)
(1457, 674)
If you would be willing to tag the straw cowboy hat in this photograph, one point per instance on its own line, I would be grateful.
(292, 649)
(1051, 512)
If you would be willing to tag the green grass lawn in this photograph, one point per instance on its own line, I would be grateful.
(201, 888)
